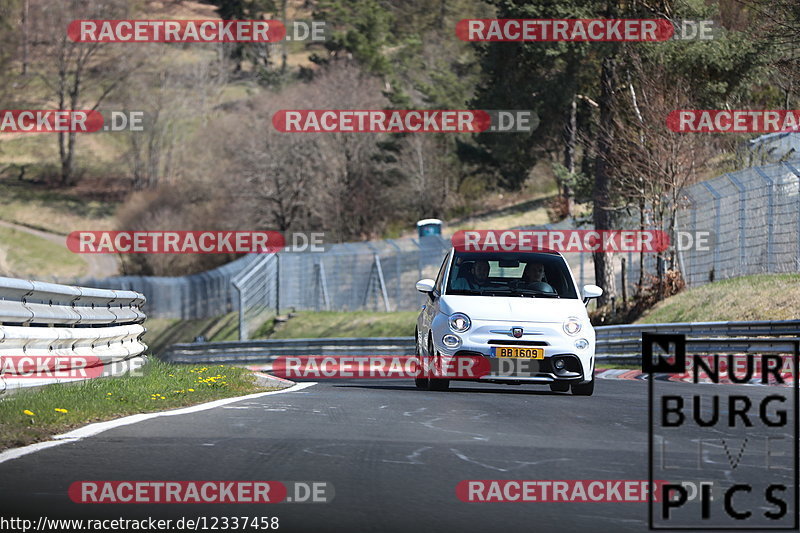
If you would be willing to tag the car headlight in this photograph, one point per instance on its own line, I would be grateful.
(451, 341)
(581, 344)
(459, 322)
(572, 326)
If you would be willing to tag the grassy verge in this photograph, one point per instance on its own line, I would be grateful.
(161, 332)
(606, 366)
(27, 255)
(57, 210)
(308, 324)
(30, 416)
(759, 297)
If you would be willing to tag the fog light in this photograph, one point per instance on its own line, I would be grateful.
(451, 341)
(581, 344)
(558, 364)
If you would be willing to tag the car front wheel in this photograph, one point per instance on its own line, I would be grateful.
(433, 383)
(559, 386)
(583, 389)
(422, 382)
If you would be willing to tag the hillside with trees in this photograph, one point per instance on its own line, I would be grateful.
(208, 156)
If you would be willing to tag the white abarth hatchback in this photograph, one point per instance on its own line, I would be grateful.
(520, 312)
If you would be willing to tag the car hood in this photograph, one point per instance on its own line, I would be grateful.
(553, 310)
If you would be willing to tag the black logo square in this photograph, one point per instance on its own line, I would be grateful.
(662, 365)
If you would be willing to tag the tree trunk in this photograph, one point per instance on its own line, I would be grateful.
(603, 219)
(284, 46)
(25, 36)
(570, 139)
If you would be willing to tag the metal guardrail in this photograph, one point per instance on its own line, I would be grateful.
(46, 321)
(262, 351)
(623, 344)
(615, 344)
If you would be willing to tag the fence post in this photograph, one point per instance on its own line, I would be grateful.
(770, 215)
(717, 215)
(742, 221)
(397, 273)
(242, 328)
(277, 284)
(322, 282)
(797, 213)
(382, 283)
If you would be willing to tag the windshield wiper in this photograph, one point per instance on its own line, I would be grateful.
(535, 293)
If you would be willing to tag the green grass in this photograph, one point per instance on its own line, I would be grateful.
(617, 366)
(161, 332)
(29, 256)
(309, 324)
(53, 210)
(162, 386)
(759, 297)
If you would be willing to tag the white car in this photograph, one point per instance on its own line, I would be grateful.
(519, 312)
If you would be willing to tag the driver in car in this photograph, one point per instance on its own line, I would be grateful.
(533, 272)
(478, 277)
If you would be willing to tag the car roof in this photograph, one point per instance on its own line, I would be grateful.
(537, 251)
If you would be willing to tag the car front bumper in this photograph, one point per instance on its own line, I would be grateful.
(484, 336)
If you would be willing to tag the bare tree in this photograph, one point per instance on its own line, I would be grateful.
(173, 101)
(79, 75)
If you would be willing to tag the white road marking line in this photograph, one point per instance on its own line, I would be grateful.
(99, 427)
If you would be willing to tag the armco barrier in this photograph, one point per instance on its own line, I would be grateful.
(73, 325)
(615, 344)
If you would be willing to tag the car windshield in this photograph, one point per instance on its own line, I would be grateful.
(526, 275)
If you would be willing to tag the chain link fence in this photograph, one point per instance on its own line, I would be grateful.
(753, 215)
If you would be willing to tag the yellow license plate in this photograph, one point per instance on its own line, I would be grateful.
(520, 352)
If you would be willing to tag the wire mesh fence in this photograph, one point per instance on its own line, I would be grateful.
(753, 215)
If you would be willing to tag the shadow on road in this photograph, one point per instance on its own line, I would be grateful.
(478, 389)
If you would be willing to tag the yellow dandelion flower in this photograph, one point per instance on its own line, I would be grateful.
(29, 413)
(190, 390)
(58, 410)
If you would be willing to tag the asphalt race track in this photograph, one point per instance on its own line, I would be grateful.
(393, 454)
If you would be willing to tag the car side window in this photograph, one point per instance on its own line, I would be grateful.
(440, 275)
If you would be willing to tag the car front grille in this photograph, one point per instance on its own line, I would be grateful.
(509, 342)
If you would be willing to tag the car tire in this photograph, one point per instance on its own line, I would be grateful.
(438, 384)
(559, 386)
(583, 389)
(435, 384)
(420, 383)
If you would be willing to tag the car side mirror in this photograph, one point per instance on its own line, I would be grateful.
(590, 292)
(426, 285)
